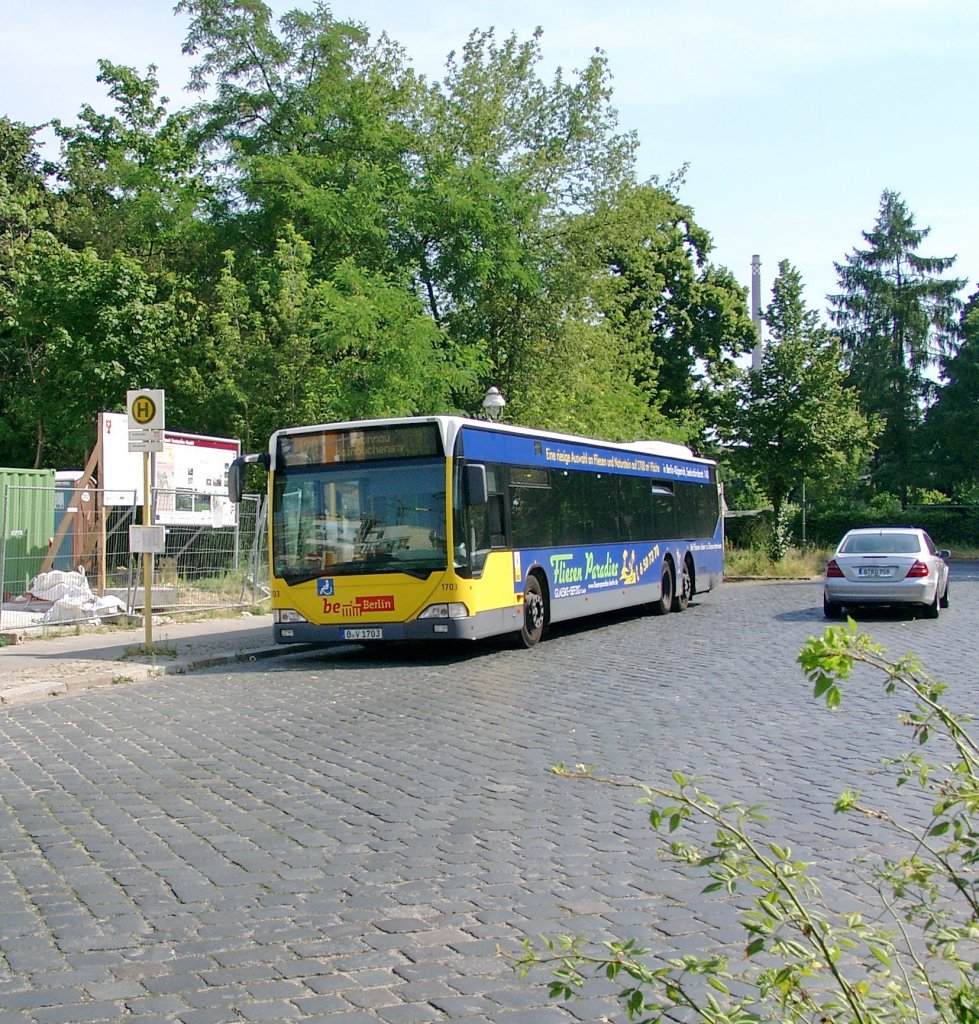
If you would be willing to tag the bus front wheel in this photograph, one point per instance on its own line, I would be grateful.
(533, 613)
(667, 590)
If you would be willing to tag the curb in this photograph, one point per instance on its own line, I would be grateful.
(773, 579)
(125, 674)
(38, 690)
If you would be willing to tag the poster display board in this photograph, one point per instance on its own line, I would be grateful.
(189, 476)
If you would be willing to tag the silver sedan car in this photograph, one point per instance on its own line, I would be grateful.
(893, 565)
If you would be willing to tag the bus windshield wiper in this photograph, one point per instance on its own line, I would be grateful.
(294, 576)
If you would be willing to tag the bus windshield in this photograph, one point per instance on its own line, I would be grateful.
(376, 517)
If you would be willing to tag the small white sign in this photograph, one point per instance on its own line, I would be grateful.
(146, 440)
(147, 540)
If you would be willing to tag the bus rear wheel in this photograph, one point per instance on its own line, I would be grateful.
(533, 613)
(667, 590)
(685, 591)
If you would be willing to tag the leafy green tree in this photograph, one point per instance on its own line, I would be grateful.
(952, 421)
(311, 125)
(82, 331)
(307, 349)
(318, 132)
(204, 366)
(684, 319)
(134, 181)
(509, 161)
(460, 189)
(27, 208)
(348, 347)
(326, 233)
(28, 217)
(896, 314)
(794, 418)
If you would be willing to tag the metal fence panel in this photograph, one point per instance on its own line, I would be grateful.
(88, 572)
(27, 512)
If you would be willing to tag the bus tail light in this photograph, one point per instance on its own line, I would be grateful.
(288, 615)
(454, 610)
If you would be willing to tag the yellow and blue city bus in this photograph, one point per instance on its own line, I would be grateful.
(446, 528)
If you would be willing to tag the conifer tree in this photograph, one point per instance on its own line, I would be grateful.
(951, 426)
(896, 316)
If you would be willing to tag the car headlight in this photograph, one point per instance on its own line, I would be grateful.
(453, 610)
(288, 615)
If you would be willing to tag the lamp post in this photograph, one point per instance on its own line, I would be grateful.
(493, 403)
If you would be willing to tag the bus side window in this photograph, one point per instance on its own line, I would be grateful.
(495, 507)
(664, 510)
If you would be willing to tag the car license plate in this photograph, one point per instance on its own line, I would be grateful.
(873, 570)
(364, 633)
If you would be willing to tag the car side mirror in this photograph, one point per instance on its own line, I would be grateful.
(944, 553)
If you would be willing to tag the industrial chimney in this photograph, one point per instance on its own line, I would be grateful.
(756, 309)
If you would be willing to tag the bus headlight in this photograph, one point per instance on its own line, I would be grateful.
(453, 610)
(288, 615)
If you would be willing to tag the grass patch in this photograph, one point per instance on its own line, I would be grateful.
(141, 650)
(797, 564)
(229, 584)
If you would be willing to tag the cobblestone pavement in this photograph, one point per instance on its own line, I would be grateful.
(352, 837)
(52, 663)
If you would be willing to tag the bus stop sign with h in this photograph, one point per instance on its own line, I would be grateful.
(146, 413)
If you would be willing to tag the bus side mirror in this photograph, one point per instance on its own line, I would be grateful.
(236, 474)
(236, 480)
(474, 481)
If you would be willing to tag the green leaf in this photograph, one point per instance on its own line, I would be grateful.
(881, 955)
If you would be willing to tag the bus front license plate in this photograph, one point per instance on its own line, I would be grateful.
(371, 633)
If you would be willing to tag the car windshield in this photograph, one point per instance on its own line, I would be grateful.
(881, 544)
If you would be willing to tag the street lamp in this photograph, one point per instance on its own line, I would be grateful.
(493, 403)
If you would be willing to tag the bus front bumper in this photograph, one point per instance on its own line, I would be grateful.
(473, 627)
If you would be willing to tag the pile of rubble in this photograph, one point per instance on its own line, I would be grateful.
(67, 597)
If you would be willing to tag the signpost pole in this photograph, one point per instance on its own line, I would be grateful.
(147, 559)
(100, 509)
(146, 420)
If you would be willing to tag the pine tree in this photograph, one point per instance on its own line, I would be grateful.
(896, 315)
(953, 419)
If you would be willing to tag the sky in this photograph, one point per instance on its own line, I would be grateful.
(793, 116)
